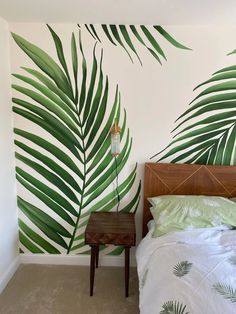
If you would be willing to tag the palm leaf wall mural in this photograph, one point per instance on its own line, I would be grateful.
(68, 167)
(129, 36)
(206, 131)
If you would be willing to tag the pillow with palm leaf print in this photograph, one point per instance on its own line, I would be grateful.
(179, 212)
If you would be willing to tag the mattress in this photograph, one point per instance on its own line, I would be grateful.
(191, 271)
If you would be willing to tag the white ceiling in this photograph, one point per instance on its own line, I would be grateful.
(165, 12)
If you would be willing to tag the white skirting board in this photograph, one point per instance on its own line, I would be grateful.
(4, 279)
(83, 260)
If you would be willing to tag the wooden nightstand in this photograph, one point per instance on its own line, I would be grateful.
(110, 228)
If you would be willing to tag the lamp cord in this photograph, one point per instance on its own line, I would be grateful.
(117, 184)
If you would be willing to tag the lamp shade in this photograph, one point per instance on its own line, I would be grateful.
(115, 139)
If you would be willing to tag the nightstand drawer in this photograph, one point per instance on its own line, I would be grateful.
(111, 228)
(110, 238)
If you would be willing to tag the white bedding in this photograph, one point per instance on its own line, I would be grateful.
(191, 271)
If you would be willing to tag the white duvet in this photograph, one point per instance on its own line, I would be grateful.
(191, 271)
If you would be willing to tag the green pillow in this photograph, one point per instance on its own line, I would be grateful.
(179, 212)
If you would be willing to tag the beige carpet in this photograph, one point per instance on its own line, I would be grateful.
(43, 289)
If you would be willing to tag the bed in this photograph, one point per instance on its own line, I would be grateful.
(194, 270)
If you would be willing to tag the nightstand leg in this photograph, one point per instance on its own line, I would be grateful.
(92, 268)
(127, 271)
(97, 255)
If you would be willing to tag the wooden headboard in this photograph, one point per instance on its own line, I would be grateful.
(186, 179)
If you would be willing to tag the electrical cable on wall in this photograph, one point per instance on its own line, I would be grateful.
(117, 185)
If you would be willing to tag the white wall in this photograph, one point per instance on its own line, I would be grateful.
(8, 212)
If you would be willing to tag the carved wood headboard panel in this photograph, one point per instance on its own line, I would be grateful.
(186, 179)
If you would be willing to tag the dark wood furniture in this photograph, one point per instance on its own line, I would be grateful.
(186, 179)
(110, 228)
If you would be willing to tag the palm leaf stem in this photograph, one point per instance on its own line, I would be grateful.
(83, 188)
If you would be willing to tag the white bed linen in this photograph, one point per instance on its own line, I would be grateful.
(204, 281)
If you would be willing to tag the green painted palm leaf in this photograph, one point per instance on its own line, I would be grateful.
(66, 164)
(206, 132)
(226, 291)
(173, 307)
(129, 36)
(182, 268)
